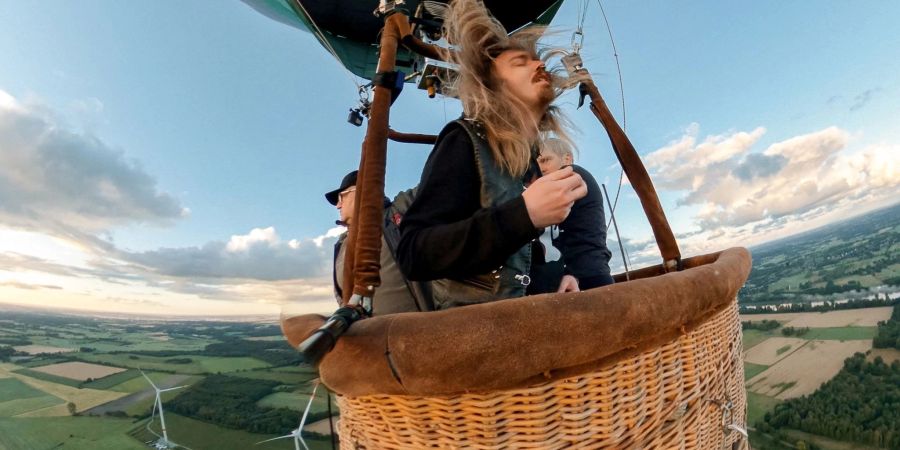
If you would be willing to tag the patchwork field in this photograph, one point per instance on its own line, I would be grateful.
(751, 370)
(78, 370)
(39, 349)
(866, 317)
(841, 333)
(17, 398)
(83, 398)
(773, 350)
(201, 435)
(197, 365)
(804, 370)
(266, 338)
(76, 433)
(296, 401)
(141, 400)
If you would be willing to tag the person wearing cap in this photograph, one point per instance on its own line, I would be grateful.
(394, 295)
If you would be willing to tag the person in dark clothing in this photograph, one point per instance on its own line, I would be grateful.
(447, 227)
(472, 224)
(581, 238)
(394, 295)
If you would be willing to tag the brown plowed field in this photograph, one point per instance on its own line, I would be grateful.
(78, 370)
(767, 353)
(866, 317)
(804, 370)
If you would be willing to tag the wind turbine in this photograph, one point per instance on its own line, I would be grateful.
(162, 442)
(297, 434)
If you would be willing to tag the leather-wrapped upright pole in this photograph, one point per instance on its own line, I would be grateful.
(638, 176)
(363, 255)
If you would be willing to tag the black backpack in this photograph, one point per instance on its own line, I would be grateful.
(393, 215)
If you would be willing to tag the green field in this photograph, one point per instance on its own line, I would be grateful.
(201, 435)
(17, 398)
(296, 401)
(139, 383)
(285, 377)
(753, 337)
(12, 389)
(758, 405)
(71, 433)
(114, 379)
(760, 441)
(751, 370)
(21, 406)
(198, 365)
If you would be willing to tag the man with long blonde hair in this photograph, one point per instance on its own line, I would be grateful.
(472, 224)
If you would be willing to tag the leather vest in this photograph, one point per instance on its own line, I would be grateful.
(509, 280)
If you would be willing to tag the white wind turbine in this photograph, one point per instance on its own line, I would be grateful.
(297, 433)
(163, 442)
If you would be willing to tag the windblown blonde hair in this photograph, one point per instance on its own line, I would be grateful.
(478, 39)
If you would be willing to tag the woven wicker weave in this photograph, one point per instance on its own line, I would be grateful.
(668, 398)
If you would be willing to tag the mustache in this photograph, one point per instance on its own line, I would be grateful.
(541, 74)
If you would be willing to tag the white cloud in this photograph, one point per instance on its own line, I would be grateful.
(52, 178)
(257, 236)
(745, 197)
(331, 233)
(259, 255)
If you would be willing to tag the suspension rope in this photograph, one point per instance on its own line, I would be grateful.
(612, 41)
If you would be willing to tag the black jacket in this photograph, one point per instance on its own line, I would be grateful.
(581, 238)
(446, 233)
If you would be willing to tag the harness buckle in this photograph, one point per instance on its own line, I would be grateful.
(524, 279)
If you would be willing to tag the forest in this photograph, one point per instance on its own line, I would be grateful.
(889, 331)
(860, 404)
(231, 402)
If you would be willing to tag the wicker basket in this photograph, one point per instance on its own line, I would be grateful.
(674, 396)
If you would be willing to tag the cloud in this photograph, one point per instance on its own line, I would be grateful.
(677, 164)
(802, 177)
(52, 178)
(260, 255)
(858, 102)
(862, 99)
(28, 286)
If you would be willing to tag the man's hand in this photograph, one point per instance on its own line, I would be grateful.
(568, 284)
(549, 199)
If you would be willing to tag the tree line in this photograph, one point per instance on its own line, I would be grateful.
(276, 353)
(231, 402)
(762, 325)
(860, 404)
(826, 306)
(889, 331)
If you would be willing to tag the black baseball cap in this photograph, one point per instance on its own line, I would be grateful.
(349, 180)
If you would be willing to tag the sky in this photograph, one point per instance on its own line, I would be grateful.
(171, 157)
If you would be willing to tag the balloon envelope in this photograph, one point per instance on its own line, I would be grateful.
(351, 29)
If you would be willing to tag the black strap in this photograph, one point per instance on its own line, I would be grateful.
(390, 80)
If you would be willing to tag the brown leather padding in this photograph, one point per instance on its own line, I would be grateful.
(521, 342)
(362, 262)
(637, 176)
